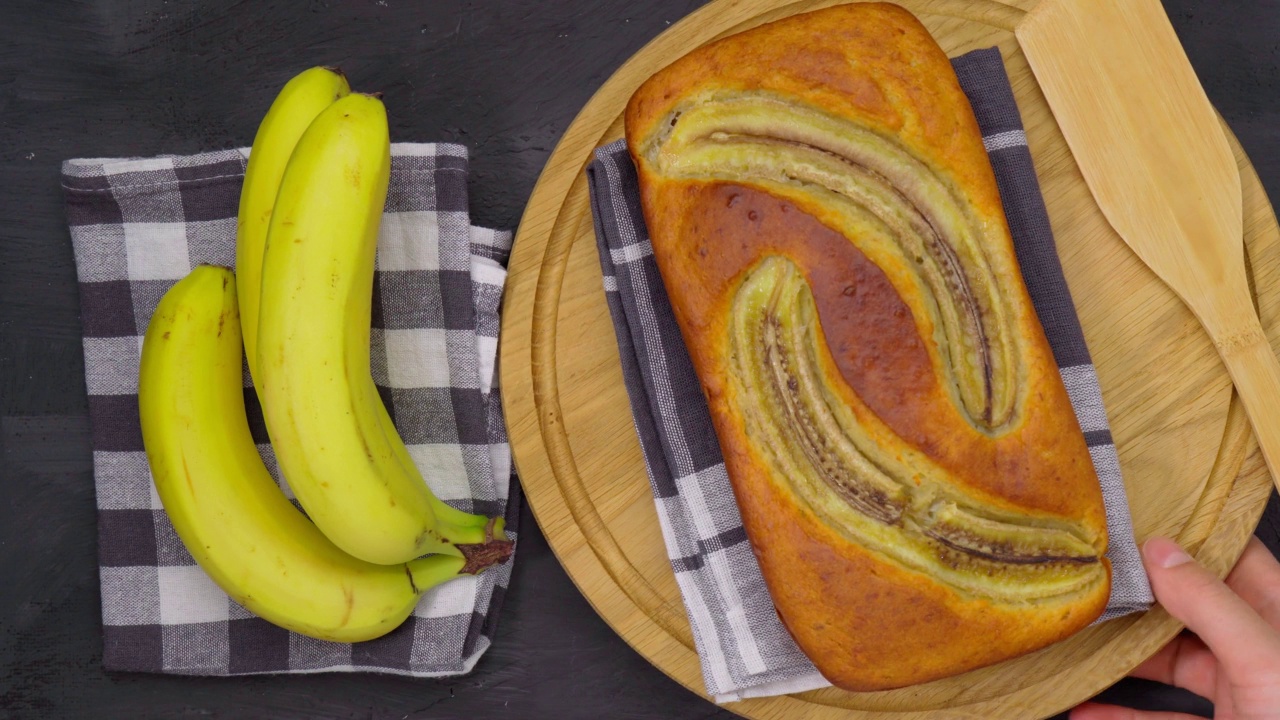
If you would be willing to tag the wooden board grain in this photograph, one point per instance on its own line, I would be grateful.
(1190, 464)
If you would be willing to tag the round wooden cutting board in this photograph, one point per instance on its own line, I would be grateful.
(1191, 467)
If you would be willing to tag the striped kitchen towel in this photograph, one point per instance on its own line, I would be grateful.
(745, 650)
(140, 225)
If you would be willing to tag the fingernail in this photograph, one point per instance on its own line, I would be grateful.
(1164, 553)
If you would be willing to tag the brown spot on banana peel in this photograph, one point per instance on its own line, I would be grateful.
(412, 585)
(355, 410)
(186, 472)
(364, 442)
(478, 556)
(349, 596)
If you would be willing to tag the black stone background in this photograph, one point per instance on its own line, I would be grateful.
(81, 78)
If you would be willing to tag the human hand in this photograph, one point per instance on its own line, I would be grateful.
(1234, 657)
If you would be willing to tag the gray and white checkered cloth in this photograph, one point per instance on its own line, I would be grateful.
(745, 650)
(138, 226)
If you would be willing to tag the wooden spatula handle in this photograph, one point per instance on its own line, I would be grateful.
(1256, 373)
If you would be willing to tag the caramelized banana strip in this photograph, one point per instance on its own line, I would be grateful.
(838, 470)
(798, 151)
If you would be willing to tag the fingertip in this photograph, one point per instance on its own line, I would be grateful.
(1161, 552)
(1079, 712)
(1089, 711)
(1240, 639)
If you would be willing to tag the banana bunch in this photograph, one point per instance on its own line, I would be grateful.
(307, 235)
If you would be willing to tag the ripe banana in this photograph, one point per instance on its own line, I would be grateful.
(333, 438)
(223, 503)
(298, 103)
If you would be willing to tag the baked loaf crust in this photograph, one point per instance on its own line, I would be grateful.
(908, 465)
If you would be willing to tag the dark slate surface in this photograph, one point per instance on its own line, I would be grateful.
(99, 78)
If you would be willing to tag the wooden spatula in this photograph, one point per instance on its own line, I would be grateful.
(1158, 164)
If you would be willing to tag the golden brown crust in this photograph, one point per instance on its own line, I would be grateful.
(868, 620)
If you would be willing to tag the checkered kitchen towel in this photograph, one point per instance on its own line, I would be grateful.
(744, 648)
(139, 225)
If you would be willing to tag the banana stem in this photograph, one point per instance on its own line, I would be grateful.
(449, 515)
(492, 551)
(469, 532)
(425, 573)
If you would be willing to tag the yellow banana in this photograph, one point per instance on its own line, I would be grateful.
(230, 514)
(298, 103)
(334, 441)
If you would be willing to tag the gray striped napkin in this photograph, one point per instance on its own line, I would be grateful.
(745, 650)
(140, 225)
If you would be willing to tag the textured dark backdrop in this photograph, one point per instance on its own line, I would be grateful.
(142, 77)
